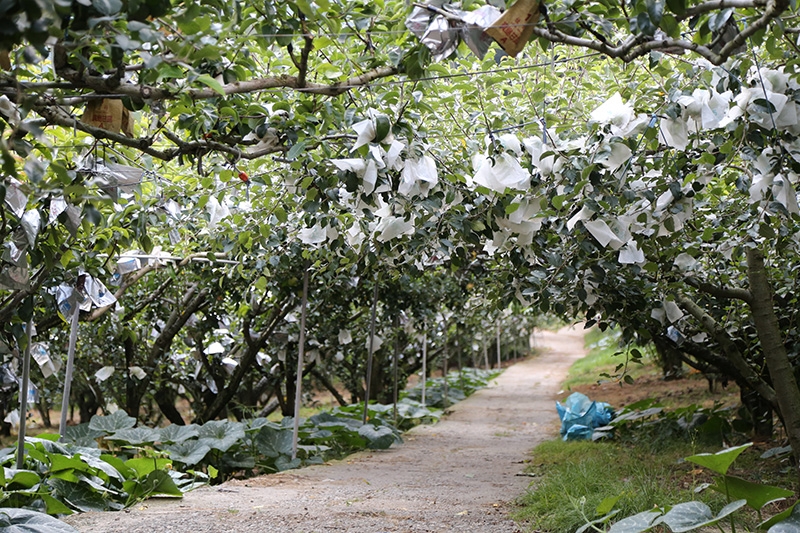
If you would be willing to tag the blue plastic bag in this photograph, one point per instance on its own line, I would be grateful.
(579, 416)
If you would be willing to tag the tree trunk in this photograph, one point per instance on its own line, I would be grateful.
(760, 412)
(132, 397)
(328, 385)
(165, 399)
(778, 364)
(669, 359)
(44, 411)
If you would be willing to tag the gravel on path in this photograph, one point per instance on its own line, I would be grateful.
(457, 475)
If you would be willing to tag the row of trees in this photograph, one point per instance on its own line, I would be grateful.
(637, 185)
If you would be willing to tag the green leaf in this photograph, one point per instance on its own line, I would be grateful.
(787, 521)
(378, 438)
(280, 214)
(112, 423)
(757, 495)
(221, 434)
(25, 521)
(283, 463)
(79, 496)
(82, 435)
(21, 478)
(719, 462)
(692, 515)
(607, 504)
(144, 465)
(175, 433)
(274, 442)
(62, 462)
(637, 523)
(207, 80)
(107, 7)
(160, 482)
(140, 435)
(296, 150)
(189, 452)
(54, 506)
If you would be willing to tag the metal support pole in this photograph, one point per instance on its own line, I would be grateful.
(73, 339)
(485, 354)
(499, 364)
(370, 351)
(23, 395)
(444, 366)
(301, 354)
(424, 358)
(394, 363)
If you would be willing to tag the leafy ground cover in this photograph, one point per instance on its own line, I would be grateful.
(109, 464)
(643, 466)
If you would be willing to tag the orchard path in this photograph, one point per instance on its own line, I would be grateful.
(457, 475)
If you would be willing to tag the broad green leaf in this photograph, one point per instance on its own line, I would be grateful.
(221, 434)
(719, 462)
(283, 463)
(207, 80)
(239, 460)
(140, 435)
(16, 479)
(80, 496)
(189, 452)
(119, 465)
(789, 517)
(82, 435)
(378, 438)
(607, 504)
(25, 521)
(160, 482)
(637, 523)
(144, 465)
(296, 150)
(692, 515)
(757, 495)
(54, 506)
(107, 7)
(112, 423)
(61, 462)
(272, 442)
(175, 433)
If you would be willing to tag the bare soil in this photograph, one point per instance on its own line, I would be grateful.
(457, 475)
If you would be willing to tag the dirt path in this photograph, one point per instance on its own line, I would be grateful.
(457, 475)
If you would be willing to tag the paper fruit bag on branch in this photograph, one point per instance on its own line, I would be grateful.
(110, 115)
(514, 28)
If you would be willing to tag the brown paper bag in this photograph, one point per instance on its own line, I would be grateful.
(514, 28)
(110, 115)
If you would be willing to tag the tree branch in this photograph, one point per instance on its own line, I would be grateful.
(720, 292)
(730, 349)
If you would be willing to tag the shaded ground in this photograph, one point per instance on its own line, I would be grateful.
(691, 389)
(457, 475)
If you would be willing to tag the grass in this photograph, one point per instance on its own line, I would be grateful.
(645, 467)
(575, 477)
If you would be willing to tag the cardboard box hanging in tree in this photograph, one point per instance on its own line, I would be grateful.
(110, 115)
(514, 28)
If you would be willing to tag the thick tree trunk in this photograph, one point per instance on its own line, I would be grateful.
(670, 359)
(328, 385)
(759, 410)
(778, 364)
(165, 399)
